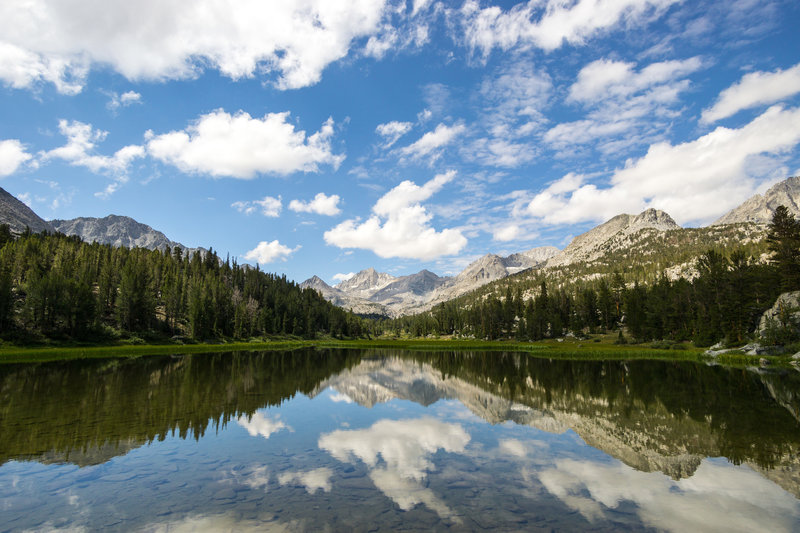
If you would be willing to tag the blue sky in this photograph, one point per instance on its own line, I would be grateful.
(324, 137)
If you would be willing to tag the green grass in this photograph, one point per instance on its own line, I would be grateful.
(569, 348)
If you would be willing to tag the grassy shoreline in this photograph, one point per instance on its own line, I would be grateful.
(551, 349)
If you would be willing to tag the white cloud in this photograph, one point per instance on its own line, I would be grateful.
(603, 78)
(343, 277)
(269, 252)
(21, 68)
(512, 101)
(239, 146)
(116, 100)
(313, 480)
(269, 206)
(25, 198)
(549, 26)
(498, 152)
(431, 143)
(12, 156)
(754, 89)
(82, 139)
(718, 497)
(400, 226)
(392, 131)
(321, 205)
(260, 424)
(623, 102)
(54, 41)
(506, 233)
(684, 180)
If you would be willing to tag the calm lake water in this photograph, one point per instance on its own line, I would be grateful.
(338, 440)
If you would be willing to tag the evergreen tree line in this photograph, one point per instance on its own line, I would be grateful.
(724, 301)
(61, 287)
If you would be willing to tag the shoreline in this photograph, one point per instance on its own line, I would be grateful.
(550, 349)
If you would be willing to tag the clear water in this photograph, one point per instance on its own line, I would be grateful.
(320, 440)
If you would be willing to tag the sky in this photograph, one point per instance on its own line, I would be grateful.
(323, 137)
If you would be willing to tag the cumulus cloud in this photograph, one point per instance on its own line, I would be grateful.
(240, 146)
(392, 131)
(12, 156)
(549, 25)
(57, 42)
(399, 226)
(430, 144)
(313, 480)
(260, 424)
(343, 277)
(269, 252)
(82, 140)
(754, 89)
(269, 206)
(321, 205)
(506, 233)
(683, 180)
(116, 100)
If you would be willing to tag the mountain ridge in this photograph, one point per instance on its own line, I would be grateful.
(19, 216)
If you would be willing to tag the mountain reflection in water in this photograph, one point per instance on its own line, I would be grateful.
(684, 446)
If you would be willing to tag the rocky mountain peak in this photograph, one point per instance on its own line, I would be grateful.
(760, 208)
(19, 216)
(366, 283)
(587, 246)
(315, 282)
(653, 218)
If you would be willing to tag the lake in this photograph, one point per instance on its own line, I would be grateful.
(387, 440)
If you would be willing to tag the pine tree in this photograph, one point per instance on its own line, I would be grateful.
(784, 242)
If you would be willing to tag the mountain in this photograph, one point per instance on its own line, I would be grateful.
(344, 300)
(19, 216)
(421, 291)
(615, 234)
(366, 283)
(118, 231)
(760, 208)
(409, 291)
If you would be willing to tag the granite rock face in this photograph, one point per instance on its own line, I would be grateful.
(760, 208)
(19, 216)
(119, 231)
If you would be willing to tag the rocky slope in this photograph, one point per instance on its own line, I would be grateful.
(366, 283)
(19, 216)
(344, 300)
(118, 231)
(421, 291)
(760, 208)
(617, 233)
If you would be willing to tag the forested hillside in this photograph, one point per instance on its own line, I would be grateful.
(56, 286)
(728, 289)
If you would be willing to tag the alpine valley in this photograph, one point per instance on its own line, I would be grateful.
(641, 246)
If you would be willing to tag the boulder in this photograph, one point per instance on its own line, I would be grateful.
(785, 311)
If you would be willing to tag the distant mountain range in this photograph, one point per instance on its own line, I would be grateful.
(625, 237)
(636, 238)
(396, 296)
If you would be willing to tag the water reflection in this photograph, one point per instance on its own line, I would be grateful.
(405, 447)
(314, 439)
